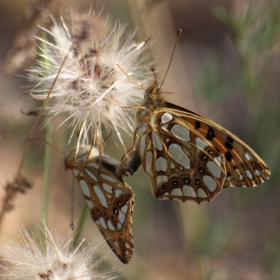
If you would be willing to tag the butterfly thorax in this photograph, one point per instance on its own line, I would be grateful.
(152, 101)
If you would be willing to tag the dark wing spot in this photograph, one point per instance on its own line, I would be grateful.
(244, 165)
(210, 134)
(186, 180)
(174, 182)
(204, 157)
(229, 156)
(201, 170)
(228, 145)
(229, 139)
(197, 182)
(164, 187)
(235, 167)
(197, 125)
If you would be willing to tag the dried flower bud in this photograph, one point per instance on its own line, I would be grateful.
(92, 89)
(50, 258)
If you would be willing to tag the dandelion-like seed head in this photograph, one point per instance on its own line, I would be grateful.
(51, 258)
(99, 79)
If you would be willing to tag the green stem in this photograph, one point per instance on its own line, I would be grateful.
(80, 226)
(47, 171)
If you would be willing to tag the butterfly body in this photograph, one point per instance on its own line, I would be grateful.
(109, 200)
(189, 157)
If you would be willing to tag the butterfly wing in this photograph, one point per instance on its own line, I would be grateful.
(110, 202)
(244, 168)
(188, 157)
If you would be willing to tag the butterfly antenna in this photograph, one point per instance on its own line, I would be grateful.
(179, 33)
(72, 206)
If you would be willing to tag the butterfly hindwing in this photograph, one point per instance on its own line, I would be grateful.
(189, 157)
(179, 163)
(110, 202)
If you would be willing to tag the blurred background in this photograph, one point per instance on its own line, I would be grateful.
(227, 68)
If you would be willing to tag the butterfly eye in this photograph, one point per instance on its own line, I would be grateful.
(152, 97)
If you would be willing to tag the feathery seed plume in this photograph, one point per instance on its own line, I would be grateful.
(99, 80)
(50, 258)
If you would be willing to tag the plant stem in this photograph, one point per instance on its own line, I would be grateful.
(80, 226)
(47, 171)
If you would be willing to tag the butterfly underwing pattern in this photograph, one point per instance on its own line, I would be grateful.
(189, 157)
(109, 199)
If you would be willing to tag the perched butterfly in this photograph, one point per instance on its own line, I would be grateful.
(189, 157)
(109, 199)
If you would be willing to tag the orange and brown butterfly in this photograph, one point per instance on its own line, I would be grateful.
(189, 157)
(108, 198)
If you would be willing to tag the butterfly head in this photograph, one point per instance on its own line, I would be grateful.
(152, 101)
(85, 152)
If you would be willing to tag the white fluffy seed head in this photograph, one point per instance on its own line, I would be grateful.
(91, 87)
(50, 258)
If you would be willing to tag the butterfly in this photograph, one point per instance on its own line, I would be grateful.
(187, 156)
(108, 198)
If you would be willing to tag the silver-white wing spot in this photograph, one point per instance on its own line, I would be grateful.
(214, 169)
(218, 160)
(241, 177)
(94, 165)
(176, 192)
(156, 142)
(166, 117)
(89, 204)
(201, 193)
(107, 188)
(200, 143)
(118, 193)
(181, 132)
(110, 225)
(210, 183)
(124, 209)
(177, 153)
(257, 172)
(188, 191)
(248, 156)
(121, 217)
(161, 164)
(161, 179)
(249, 174)
(108, 178)
(143, 145)
(100, 196)
(102, 222)
(84, 188)
(164, 126)
(149, 162)
(76, 172)
(91, 175)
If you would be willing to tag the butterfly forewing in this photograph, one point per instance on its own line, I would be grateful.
(244, 168)
(109, 200)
